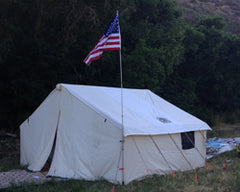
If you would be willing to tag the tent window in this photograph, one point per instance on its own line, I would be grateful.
(188, 140)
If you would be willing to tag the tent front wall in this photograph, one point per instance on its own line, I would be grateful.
(161, 154)
(38, 131)
(87, 146)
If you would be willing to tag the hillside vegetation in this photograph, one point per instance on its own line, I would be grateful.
(43, 43)
(229, 9)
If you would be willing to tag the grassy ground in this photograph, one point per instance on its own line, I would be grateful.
(223, 175)
(219, 178)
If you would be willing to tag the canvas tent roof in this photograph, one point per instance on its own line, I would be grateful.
(144, 112)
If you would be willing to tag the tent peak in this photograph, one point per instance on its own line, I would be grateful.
(59, 87)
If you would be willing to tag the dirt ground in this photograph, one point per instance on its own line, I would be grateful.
(11, 173)
(16, 177)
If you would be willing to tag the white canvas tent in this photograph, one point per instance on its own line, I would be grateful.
(86, 121)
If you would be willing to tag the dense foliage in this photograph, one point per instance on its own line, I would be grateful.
(43, 43)
(207, 81)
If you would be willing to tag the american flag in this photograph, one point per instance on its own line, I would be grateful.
(110, 40)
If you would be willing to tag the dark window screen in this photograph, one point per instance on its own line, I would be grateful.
(188, 140)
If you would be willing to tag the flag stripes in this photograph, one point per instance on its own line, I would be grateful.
(109, 41)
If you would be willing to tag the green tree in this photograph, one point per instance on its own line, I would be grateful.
(207, 80)
(152, 43)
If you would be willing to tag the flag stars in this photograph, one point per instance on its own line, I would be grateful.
(113, 27)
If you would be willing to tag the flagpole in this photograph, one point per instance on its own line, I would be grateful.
(120, 60)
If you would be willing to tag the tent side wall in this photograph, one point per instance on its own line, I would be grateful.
(161, 154)
(87, 144)
(38, 131)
